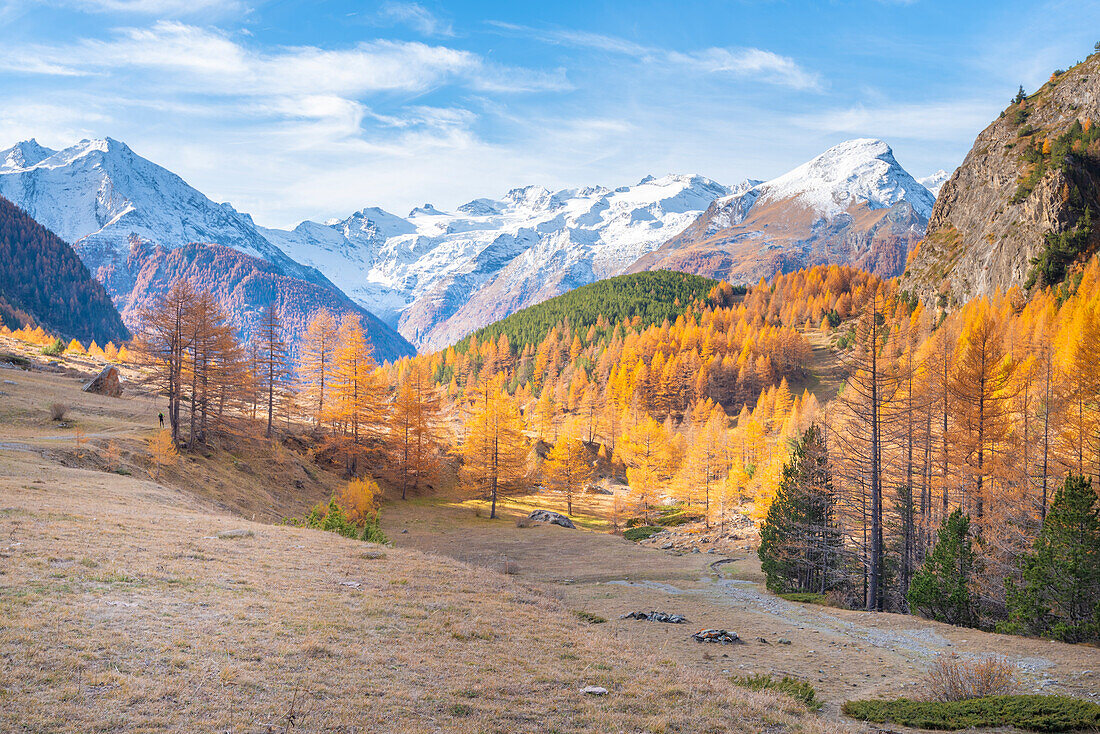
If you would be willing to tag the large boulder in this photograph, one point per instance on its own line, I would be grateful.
(554, 518)
(106, 383)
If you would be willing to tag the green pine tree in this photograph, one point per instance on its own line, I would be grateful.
(799, 541)
(941, 589)
(1059, 592)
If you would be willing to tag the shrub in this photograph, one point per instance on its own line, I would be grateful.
(588, 617)
(1031, 712)
(332, 518)
(58, 411)
(460, 709)
(359, 499)
(642, 532)
(951, 678)
(799, 690)
(806, 597)
(55, 349)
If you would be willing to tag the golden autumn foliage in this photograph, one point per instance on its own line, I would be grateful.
(568, 469)
(494, 449)
(359, 500)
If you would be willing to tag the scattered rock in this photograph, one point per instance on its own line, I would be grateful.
(404, 531)
(234, 534)
(723, 637)
(594, 690)
(105, 383)
(783, 641)
(656, 617)
(554, 518)
(372, 555)
(351, 584)
(761, 640)
(667, 546)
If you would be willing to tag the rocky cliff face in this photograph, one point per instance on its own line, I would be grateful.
(1012, 215)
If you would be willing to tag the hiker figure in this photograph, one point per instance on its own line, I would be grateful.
(162, 420)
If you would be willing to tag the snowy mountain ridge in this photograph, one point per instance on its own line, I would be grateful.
(861, 171)
(433, 275)
(436, 274)
(114, 207)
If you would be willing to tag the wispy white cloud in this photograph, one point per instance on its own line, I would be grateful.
(935, 121)
(764, 66)
(156, 8)
(747, 63)
(52, 122)
(417, 17)
(212, 62)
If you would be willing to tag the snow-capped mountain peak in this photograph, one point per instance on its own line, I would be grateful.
(438, 275)
(935, 181)
(856, 171)
(24, 154)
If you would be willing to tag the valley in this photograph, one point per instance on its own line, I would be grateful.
(811, 453)
(164, 624)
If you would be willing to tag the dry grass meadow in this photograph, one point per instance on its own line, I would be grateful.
(121, 610)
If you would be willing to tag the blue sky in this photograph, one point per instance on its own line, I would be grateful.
(292, 109)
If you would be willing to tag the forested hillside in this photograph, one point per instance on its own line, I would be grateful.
(961, 440)
(642, 299)
(43, 282)
(951, 477)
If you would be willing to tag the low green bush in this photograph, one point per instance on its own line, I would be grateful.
(806, 597)
(588, 617)
(799, 690)
(55, 349)
(1029, 712)
(642, 532)
(331, 517)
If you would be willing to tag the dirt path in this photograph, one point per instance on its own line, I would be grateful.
(845, 654)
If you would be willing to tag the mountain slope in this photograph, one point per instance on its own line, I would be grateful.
(650, 297)
(244, 285)
(440, 275)
(42, 280)
(1021, 195)
(105, 198)
(853, 204)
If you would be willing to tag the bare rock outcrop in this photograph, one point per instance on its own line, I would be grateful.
(106, 383)
(992, 217)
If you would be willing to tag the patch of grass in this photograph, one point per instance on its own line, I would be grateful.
(460, 709)
(588, 617)
(642, 532)
(676, 515)
(1029, 712)
(806, 597)
(799, 690)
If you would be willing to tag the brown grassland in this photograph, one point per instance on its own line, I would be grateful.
(122, 610)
